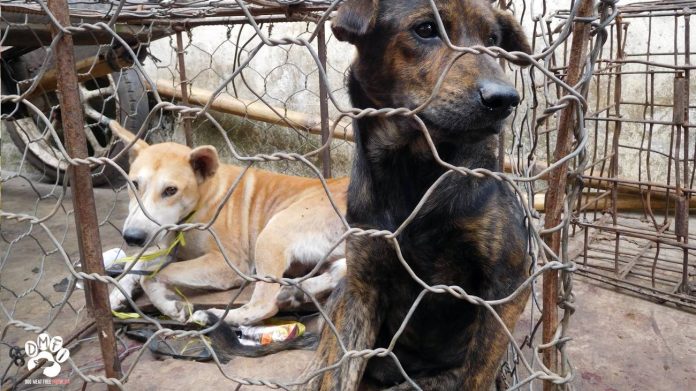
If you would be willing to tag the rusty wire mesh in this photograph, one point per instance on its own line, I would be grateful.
(257, 56)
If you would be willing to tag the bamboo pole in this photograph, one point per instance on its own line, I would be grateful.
(625, 203)
(255, 110)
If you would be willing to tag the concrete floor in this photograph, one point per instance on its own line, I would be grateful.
(626, 343)
(619, 342)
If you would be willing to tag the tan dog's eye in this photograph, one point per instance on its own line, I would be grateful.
(426, 30)
(169, 191)
(135, 185)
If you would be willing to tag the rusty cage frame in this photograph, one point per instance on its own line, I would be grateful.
(641, 111)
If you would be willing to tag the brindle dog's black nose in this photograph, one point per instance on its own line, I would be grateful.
(135, 237)
(498, 96)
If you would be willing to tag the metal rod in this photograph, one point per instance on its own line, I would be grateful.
(681, 300)
(324, 105)
(188, 133)
(557, 186)
(635, 233)
(502, 4)
(684, 197)
(614, 163)
(633, 121)
(86, 222)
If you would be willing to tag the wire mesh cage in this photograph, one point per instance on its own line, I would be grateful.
(264, 82)
(634, 221)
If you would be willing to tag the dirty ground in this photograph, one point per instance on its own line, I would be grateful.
(619, 342)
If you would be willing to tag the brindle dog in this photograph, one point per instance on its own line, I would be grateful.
(469, 233)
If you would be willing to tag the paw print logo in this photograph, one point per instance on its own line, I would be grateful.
(49, 348)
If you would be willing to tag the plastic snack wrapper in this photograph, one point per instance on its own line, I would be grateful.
(271, 330)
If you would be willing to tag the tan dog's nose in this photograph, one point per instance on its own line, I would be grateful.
(135, 237)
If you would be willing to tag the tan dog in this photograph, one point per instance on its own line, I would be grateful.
(277, 223)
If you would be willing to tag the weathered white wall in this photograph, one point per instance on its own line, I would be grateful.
(284, 76)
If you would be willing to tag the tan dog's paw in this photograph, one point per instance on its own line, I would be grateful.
(291, 297)
(175, 310)
(117, 300)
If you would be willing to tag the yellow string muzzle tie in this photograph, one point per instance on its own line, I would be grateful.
(149, 257)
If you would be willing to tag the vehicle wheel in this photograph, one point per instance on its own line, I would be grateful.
(120, 96)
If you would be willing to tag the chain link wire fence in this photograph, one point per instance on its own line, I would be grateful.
(248, 78)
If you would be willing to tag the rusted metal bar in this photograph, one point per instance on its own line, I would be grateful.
(141, 15)
(324, 105)
(681, 215)
(629, 253)
(633, 121)
(557, 186)
(641, 251)
(682, 205)
(631, 186)
(681, 300)
(502, 5)
(614, 164)
(189, 23)
(641, 234)
(183, 80)
(655, 64)
(86, 221)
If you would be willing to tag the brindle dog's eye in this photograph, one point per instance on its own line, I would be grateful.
(492, 40)
(169, 191)
(426, 30)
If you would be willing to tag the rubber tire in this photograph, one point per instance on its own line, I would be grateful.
(134, 108)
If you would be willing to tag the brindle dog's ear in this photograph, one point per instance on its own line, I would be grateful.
(204, 161)
(513, 38)
(354, 19)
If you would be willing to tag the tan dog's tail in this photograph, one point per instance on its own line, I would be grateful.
(227, 344)
(127, 136)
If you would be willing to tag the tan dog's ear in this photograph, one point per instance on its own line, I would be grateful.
(513, 38)
(354, 19)
(204, 161)
(127, 138)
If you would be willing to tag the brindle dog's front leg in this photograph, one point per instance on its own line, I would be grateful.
(354, 311)
(486, 350)
(451, 379)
